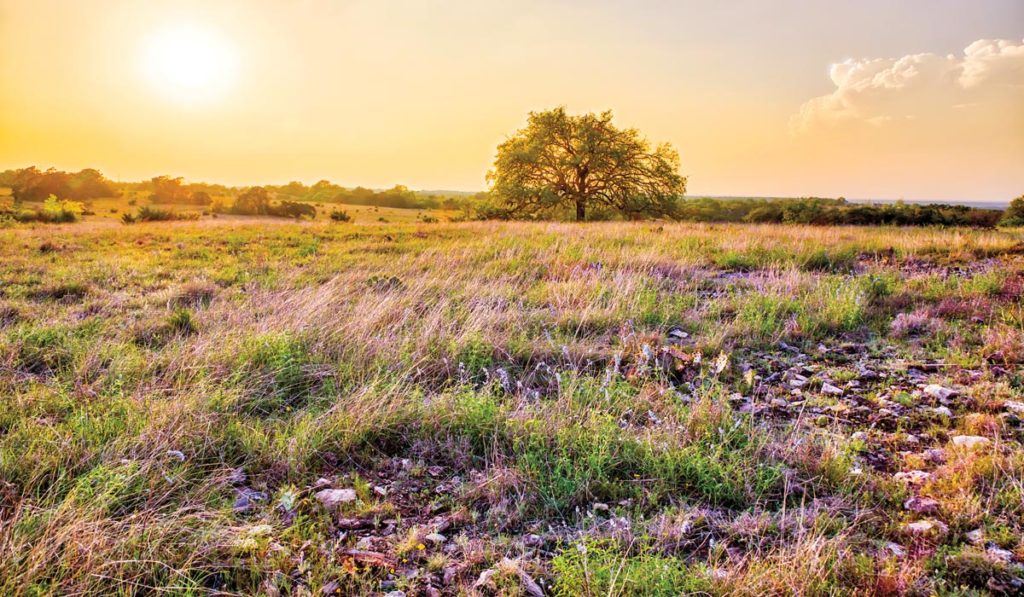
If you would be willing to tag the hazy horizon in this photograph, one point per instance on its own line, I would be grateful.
(918, 100)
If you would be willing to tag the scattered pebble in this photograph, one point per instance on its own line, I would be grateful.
(927, 527)
(912, 477)
(939, 392)
(831, 390)
(971, 441)
(922, 505)
(332, 498)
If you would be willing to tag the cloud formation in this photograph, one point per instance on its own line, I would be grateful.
(920, 89)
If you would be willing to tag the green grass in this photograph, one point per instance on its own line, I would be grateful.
(512, 387)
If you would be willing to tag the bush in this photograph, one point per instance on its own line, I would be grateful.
(155, 214)
(1014, 215)
(340, 216)
(53, 211)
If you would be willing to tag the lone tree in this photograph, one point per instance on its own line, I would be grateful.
(562, 161)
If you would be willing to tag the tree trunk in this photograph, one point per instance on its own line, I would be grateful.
(581, 210)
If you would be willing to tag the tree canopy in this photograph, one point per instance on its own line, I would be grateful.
(562, 162)
(1014, 215)
(32, 184)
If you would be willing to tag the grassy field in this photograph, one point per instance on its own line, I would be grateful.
(231, 407)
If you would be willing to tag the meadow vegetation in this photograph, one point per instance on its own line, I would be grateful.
(224, 406)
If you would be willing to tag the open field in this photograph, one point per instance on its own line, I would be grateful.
(231, 407)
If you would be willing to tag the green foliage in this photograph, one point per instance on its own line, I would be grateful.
(1014, 214)
(564, 163)
(52, 211)
(601, 569)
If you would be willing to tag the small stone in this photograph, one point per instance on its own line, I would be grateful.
(975, 537)
(780, 403)
(1000, 555)
(943, 411)
(381, 491)
(395, 594)
(831, 390)
(332, 498)
(922, 505)
(677, 335)
(971, 441)
(599, 507)
(912, 477)
(938, 392)
(247, 498)
(859, 436)
(435, 538)
(1014, 406)
(935, 455)
(896, 549)
(177, 455)
(484, 579)
(926, 527)
(365, 543)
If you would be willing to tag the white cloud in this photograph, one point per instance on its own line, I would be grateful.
(924, 89)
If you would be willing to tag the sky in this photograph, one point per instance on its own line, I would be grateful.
(915, 99)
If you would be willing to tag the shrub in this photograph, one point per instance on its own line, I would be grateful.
(53, 211)
(154, 214)
(1014, 215)
(340, 216)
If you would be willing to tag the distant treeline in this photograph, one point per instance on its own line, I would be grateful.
(398, 196)
(33, 184)
(816, 210)
(293, 199)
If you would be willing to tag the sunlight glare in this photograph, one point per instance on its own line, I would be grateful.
(189, 64)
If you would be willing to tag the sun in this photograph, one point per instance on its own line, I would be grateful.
(189, 63)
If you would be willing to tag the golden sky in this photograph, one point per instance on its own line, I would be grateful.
(872, 99)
